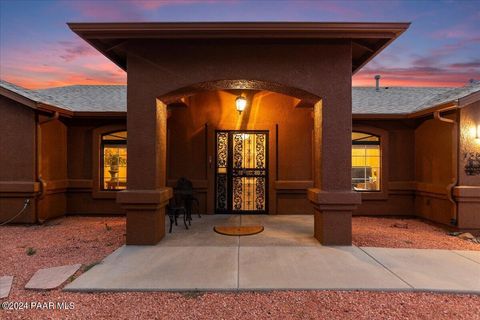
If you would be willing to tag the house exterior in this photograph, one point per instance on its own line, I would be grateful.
(305, 143)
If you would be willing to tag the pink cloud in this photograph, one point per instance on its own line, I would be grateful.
(59, 64)
(155, 4)
(466, 65)
(41, 69)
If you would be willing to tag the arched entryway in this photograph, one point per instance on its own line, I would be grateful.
(255, 161)
(145, 208)
(317, 74)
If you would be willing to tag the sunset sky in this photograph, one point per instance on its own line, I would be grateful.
(38, 50)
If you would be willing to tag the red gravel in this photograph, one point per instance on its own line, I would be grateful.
(380, 232)
(271, 305)
(87, 240)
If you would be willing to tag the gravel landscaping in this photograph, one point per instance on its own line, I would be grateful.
(405, 233)
(87, 240)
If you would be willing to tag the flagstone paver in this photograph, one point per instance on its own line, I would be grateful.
(5, 286)
(51, 278)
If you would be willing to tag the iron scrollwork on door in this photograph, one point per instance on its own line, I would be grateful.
(221, 167)
(237, 150)
(222, 149)
(241, 171)
(260, 193)
(237, 193)
(260, 150)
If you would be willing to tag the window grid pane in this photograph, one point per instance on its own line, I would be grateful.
(366, 162)
(114, 161)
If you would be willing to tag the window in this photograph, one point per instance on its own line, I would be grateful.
(114, 161)
(366, 162)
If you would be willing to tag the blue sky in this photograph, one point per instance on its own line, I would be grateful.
(441, 48)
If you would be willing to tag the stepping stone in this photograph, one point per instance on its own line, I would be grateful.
(51, 278)
(5, 286)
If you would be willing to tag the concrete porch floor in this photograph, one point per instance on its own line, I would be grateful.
(284, 256)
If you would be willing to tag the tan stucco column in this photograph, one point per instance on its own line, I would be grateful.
(146, 195)
(331, 196)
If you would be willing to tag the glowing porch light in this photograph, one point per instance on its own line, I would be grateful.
(241, 103)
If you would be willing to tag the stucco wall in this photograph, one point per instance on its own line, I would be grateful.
(434, 170)
(81, 198)
(397, 194)
(52, 168)
(17, 160)
(468, 192)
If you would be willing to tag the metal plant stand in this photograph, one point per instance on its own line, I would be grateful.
(183, 202)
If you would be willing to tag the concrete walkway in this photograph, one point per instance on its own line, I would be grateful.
(284, 256)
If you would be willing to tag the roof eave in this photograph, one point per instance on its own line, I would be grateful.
(18, 97)
(469, 99)
(447, 106)
(205, 30)
(379, 116)
(100, 114)
(94, 32)
(35, 105)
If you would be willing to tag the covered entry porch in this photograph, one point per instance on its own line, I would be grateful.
(167, 63)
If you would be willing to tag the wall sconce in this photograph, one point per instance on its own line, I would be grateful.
(475, 133)
(241, 104)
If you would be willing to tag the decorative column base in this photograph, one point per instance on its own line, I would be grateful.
(333, 216)
(468, 208)
(145, 214)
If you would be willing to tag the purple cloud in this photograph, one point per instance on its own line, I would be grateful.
(72, 50)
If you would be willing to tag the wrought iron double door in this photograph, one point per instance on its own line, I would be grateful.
(241, 172)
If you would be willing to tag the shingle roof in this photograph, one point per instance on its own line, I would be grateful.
(365, 100)
(451, 95)
(33, 95)
(405, 100)
(393, 100)
(90, 98)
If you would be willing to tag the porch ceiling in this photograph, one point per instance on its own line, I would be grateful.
(368, 39)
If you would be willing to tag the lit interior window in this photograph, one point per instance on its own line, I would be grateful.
(114, 161)
(366, 160)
